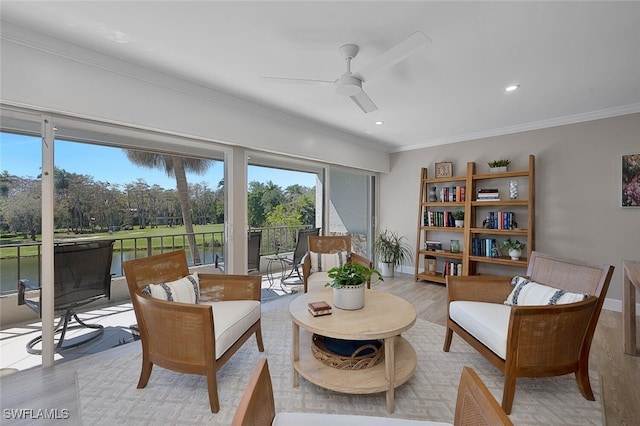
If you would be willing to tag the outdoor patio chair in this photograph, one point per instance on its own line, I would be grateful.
(475, 405)
(191, 323)
(324, 253)
(254, 241)
(302, 246)
(540, 325)
(82, 274)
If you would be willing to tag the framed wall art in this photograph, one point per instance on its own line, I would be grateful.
(631, 180)
(444, 169)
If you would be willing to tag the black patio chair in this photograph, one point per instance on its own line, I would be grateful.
(253, 253)
(82, 275)
(302, 246)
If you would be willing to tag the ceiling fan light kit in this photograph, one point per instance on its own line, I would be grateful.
(350, 84)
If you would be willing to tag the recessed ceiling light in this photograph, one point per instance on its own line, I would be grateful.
(512, 88)
(379, 123)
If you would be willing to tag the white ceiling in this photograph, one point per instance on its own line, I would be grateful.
(574, 61)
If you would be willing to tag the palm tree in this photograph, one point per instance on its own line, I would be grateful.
(176, 167)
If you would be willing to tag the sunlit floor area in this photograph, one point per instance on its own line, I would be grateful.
(116, 319)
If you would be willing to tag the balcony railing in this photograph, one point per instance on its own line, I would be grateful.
(24, 260)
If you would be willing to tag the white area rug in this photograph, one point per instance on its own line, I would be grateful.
(107, 393)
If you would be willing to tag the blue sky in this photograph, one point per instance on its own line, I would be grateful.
(21, 156)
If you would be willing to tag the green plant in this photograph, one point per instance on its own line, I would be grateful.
(391, 248)
(499, 163)
(458, 215)
(510, 244)
(351, 274)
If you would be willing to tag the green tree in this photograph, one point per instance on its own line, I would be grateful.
(177, 167)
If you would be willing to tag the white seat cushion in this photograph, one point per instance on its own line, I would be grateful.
(487, 322)
(231, 318)
(320, 419)
(317, 280)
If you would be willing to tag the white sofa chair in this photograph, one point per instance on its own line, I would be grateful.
(324, 253)
(191, 323)
(475, 405)
(535, 326)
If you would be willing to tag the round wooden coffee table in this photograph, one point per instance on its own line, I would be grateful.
(384, 316)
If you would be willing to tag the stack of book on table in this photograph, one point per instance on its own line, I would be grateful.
(488, 195)
(319, 308)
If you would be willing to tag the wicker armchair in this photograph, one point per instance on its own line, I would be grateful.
(475, 405)
(183, 336)
(538, 341)
(327, 245)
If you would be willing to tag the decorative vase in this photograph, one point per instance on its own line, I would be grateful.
(513, 189)
(515, 254)
(386, 269)
(349, 297)
(459, 223)
(433, 196)
(498, 169)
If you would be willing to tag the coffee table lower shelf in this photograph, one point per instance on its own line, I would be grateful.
(365, 381)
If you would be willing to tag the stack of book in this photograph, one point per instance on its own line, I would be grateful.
(319, 308)
(488, 195)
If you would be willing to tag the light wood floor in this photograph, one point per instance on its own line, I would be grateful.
(54, 388)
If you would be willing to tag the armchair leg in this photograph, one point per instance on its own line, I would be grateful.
(145, 373)
(582, 377)
(447, 340)
(259, 339)
(509, 392)
(212, 386)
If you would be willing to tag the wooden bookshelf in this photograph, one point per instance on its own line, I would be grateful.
(522, 209)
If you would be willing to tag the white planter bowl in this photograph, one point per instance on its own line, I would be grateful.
(515, 254)
(350, 297)
(387, 269)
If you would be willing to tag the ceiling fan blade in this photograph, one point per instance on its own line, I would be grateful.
(392, 56)
(364, 102)
(300, 81)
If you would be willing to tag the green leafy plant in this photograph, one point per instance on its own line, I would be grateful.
(392, 248)
(351, 274)
(458, 215)
(510, 244)
(499, 163)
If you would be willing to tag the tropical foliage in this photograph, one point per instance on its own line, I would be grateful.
(351, 274)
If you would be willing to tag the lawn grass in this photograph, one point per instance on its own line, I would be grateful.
(133, 239)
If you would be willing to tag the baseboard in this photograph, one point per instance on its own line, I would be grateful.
(616, 306)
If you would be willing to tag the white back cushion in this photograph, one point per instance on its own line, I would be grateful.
(185, 290)
(528, 293)
(326, 261)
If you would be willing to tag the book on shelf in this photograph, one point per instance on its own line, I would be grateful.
(500, 220)
(452, 269)
(319, 308)
(490, 194)
(433, 245)
(452, 194)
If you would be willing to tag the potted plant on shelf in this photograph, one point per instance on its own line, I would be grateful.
(349, 282)
(458, 216)
(514, 248)
(392, 251)
(498, 166)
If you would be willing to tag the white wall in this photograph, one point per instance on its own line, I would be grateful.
(578, 186)
(51, 76)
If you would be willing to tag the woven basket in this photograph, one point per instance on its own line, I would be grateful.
(342, 362)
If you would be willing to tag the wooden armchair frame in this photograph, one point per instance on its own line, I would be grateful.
(475, 405)
(563, 333)
(180, 336)
(331, 244)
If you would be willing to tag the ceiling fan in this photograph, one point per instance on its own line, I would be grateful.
(350, 83)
